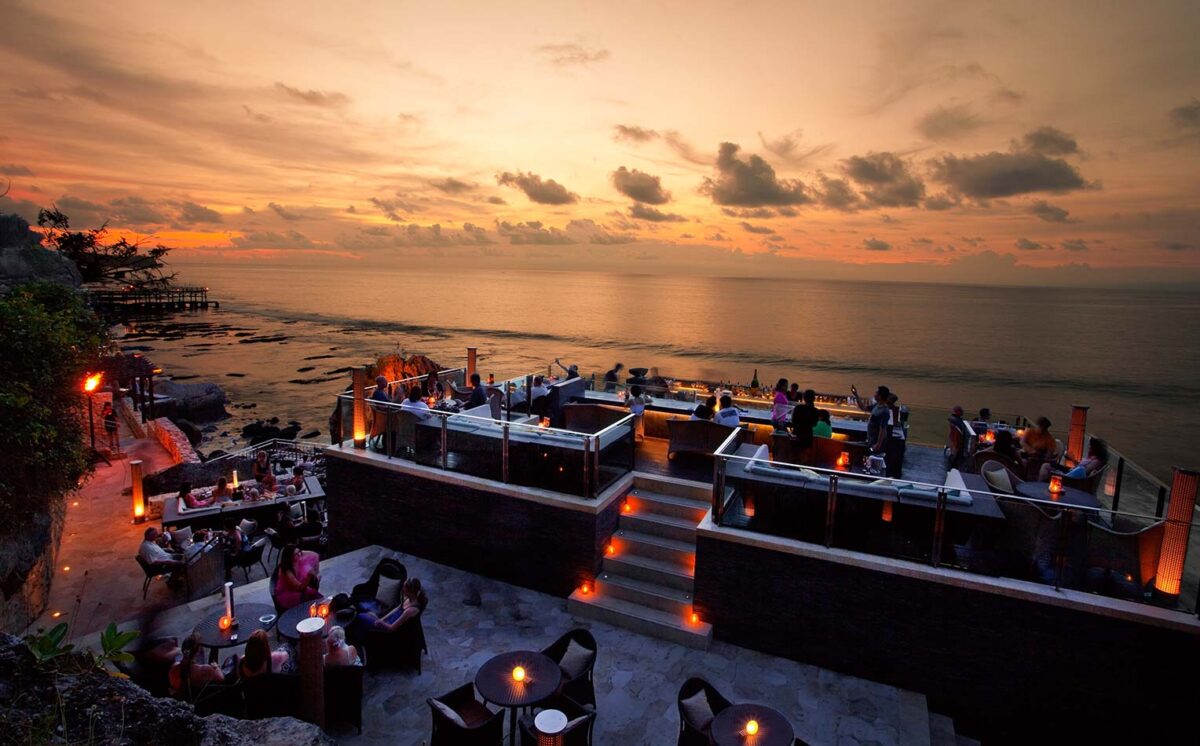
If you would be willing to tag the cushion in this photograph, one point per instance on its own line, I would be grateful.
(762, 454)
(998, 480)
(449, 712)
(297, 511)
(389, 591)
(697, 710)
(758, 467)
(181, 536)
(924, 493)
(248, 526)
(575, 660)
(577, 722)
(954, 480)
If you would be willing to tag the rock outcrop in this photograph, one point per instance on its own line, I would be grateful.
(90, 706)
(27, 561)
(21, 264)
(198, 402)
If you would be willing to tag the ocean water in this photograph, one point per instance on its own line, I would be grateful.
(283, 336)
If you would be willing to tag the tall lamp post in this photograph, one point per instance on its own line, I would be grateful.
(89, 387)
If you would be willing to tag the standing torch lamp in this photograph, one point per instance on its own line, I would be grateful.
(139, 496)
(90, 384)
(1077, 434)
(360, 407)
(1178, 530)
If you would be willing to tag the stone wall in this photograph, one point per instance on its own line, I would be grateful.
(27, 562)
(131, 417)
(174, 441)
(1012, 662)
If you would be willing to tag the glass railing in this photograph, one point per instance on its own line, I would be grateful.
(445, 381)
(503, 446)
(1064, 540)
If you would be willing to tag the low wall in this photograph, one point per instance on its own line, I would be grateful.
(532, 538)
(1009, 660)
(27, 562)
(174, 441)
(129, 414)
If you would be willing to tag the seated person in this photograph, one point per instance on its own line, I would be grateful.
(1006, 444)
(152, 552)
(199, 539)
(190, 500)
(297, 479)
(299, 577)
(433, 386)
(705, 410)
(539, 389)
(269, 483)
(1038, 443)
(221, 493)
(727, 414)
(412, 603)
(824, 426)
(793, 394)
(1095, 460)
(380, 394)
(190, 675)
(478, 393)
(259, 658)
(415, 404)
(262, 466)
(337, 652)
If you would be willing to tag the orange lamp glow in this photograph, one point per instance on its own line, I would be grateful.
(136, 490)
(886, 515)
(610, 549)
(235, 479)
(695, 617)
(585, 589)
(225, 621)
(843, 460)
(1173, 553)
(751, 727)
(323, 611)
(312, 610)
(989, 436)
(518, 674)
(544, 422)
(1056, 486)
(92, 383)
(626, 507)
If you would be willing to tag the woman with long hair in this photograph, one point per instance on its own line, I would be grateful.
(259, 658)
(779, 405)
(188, 676)
(299, 576)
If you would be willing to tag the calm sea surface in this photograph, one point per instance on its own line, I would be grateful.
(281, 335)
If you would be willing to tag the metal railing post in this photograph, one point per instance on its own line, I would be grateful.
(504, 454)
(587, 458)
(1060, 551)
(718, 490)
(830, 510)
(1116, 500)
(445, 445)
(1162, 500)
(939, 529)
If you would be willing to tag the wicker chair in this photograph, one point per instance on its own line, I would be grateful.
(399, 648)
(343, 695)
(251, 557)
(694, 733)
(1089, 483)
(1132, 554)
(979, 458)
(580, 687)
(481, 725)
(368, 591)
(994, 466)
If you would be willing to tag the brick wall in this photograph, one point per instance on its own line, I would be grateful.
(521, 541)
(1010, 667)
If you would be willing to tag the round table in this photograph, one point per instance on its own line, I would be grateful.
(496, 685)
(214, 638)
(290, 618)
(728, 727)
(1070, 496)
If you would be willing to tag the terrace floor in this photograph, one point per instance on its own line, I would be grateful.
(636, 677)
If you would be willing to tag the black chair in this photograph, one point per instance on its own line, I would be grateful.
(369, 591)
(479, 724)
(576, 684)
(249, 557)
(343, 695)
(277, 542)
(271, 584)
(400, 648)
(579, 734)
(220, 698)
(271, 695)
(155, 569)
(691, 732)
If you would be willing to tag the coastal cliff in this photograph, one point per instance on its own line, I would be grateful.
(22, 258)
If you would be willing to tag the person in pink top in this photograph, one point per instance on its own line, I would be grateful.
(299, 577)
(779, 406)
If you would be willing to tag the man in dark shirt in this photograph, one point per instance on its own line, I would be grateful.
(478, 393)
(879, 427)
(610, 378)
(804, 418)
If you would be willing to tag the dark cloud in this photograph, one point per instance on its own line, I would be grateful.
(757, 213)
(590, 231)
(1024, 244)
(994, 174)
(788, 148)
(190, 212)
(885, 180)
(1048, 212)
(761, 229)
(939, 202)
(13, 169)
(272, 240)
(548, 192)
(285, 212)
(750, 183)
(571, 55)
(874, 244)
(452, 186)
(948, 123)
(324, 99)
(640, 186)
(641, 212)
(1049, 141)
(494, 200)
(1007, 95)
(1187, 116)
(685, 149)
(1174, 245)
(716, 236)
(531, 232)
(634, 134)
(433, 235)
(836, 194)
(1077, 244)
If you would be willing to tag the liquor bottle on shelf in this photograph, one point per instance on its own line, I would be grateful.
(754, 383)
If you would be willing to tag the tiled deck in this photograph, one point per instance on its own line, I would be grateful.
(636, 677)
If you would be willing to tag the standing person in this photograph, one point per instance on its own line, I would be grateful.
(109, 415)
(879, 427)
(957, 440)
(478, 392)
(794, 394)
(779, 405)
(728, 414)
(804, 418)
(637, 407)
(611, 378)
(380, 393)
(571, 370)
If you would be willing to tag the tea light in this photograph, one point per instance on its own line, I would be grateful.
(1056, 485)
(518, 674)
(312, 610)
(225, 622)
(323, 610)
(843, 460)
(751, 727)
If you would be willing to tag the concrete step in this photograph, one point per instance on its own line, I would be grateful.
(650, 571)
(645, 501)
(653, 595)
(661, 548)
(698, 491)
(941, 731)
(640, 619)
(914, 718)
(654, 524)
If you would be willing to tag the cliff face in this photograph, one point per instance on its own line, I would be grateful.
(27, 560)
(20, 264)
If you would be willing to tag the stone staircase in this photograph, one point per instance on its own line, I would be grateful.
(646, 582)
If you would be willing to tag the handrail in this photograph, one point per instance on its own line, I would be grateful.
(399, 407)
(424, 377)
(272, 443)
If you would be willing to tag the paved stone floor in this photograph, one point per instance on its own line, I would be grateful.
(636, 677)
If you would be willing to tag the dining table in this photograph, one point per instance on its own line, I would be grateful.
(517, 679)
(249, 617)
(749, 724)
(1069, 497)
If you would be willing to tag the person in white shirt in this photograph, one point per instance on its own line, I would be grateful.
(415, 404)
(637, 402)
(539, 389)
(152, 553)
(727, 414)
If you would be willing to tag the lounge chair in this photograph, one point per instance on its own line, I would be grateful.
(695, 436)
(461, 720)
(575, 654)
(698, 702)
(343, 695)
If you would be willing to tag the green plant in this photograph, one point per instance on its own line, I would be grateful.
(112, 645)
(47, 645)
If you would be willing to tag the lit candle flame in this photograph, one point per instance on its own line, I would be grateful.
(751, 727)
(518, 674)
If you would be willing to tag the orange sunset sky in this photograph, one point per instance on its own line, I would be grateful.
(1054, 142)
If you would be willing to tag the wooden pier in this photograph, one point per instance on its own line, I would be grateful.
(150, 300)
